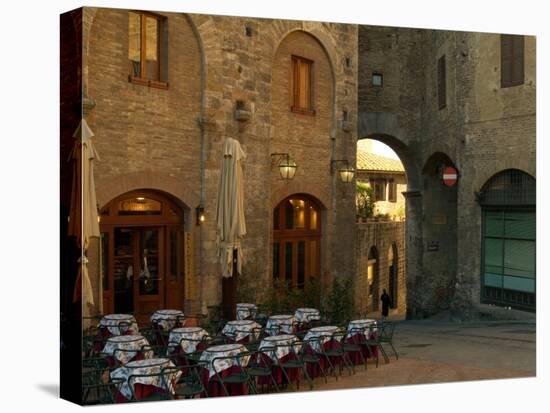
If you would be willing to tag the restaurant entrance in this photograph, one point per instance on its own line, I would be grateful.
(142, 253)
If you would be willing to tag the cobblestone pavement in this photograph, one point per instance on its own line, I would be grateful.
(437, 352)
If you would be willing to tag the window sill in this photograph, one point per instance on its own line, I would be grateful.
(147, 82)
(511, 84)
(303, 111)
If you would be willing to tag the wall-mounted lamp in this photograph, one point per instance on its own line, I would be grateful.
(200, 214)
(287, 167)
(345, 171)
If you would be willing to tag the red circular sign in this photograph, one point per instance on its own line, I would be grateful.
(450, 176)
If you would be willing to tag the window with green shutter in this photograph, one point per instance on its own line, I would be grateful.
(508, 274)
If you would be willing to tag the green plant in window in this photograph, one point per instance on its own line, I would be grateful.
(364, 200)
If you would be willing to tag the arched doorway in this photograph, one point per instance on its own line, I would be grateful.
(392, 275)
(508, 272)
(372, 278)
(142, 253)
(297, 240)
(439, 229)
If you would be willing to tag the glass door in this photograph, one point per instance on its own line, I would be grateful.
(149, 275)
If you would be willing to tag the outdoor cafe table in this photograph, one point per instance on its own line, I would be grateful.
(117, 325)
(305, 315)
(122, 349)
(246, 311)
(168, 319)
(186, 338)
(223, 367)
(268, 347)
(279, 324)
(241, 330)
(322, 338)
(143, 386)
(368, 326)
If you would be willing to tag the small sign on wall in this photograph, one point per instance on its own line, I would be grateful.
(433, 246)
(439, 219)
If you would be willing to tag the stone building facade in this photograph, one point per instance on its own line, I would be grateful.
(160, 142)
(481, 127)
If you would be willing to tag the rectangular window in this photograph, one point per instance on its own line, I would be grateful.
(380, 190)
(392, 191)
(377, 79)
(302, 86)
(146, 39)
(441, 82)
(511, 60)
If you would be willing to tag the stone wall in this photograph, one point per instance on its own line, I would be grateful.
(483, 129)
(382, 236)
(170, 139)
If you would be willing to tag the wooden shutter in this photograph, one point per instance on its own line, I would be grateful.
(304, 91)
(190, 278)
(505, 60)
(518, 60)
(441, 82)
(511, 60)
(301, 85)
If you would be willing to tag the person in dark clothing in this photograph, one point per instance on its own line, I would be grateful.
(386, 302)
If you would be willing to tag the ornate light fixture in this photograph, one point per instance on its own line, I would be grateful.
(287, 167)
(345, 171)
(200, 216)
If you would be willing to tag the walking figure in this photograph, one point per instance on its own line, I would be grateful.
(385, 298)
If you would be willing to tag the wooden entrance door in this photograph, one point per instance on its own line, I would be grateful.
(138, 270)
(142, 254)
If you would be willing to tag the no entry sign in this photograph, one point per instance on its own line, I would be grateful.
(450, 176)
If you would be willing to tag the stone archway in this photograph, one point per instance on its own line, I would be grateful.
(385, 129)
(439, 233)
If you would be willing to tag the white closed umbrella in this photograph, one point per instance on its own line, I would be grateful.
(231, 225)
(83, 218)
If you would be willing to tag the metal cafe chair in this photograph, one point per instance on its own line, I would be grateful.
(386, 335)
(352, 343)
(260, 366)
(100, 392)
(336, 354)
(292, 362)
(189, 385)
(159, 393)
(234, 375)
(372, 340)
(309, 356)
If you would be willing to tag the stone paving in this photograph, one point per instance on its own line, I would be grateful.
(438, 352)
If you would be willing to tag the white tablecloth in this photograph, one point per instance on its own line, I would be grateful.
(304, 315)
(112, 321)
(182, 336)
(246, 310)
(130, 344)
(363, 324)
(323, 334)
(278, 324)
(280, 352)
(148, 366)
(167, 319)
(240, 329)
(224, 350)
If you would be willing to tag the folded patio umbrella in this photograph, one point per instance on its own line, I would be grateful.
(231, 226)
(83, 221)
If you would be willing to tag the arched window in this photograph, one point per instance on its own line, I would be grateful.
(372, 277)
(508, 274)
(296, 240)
